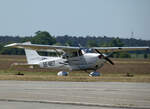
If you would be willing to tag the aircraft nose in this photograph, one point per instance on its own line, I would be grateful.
(100, 56)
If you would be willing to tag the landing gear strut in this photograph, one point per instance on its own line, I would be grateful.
(95, 72)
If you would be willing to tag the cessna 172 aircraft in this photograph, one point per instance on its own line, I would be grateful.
(72, 58)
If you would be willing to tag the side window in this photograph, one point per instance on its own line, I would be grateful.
(74, 54)
(80, 53)
(65, 56)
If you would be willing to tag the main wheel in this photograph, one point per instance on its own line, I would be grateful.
(94, 74)
(62, 73)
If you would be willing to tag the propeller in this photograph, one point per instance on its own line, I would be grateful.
(105, 57)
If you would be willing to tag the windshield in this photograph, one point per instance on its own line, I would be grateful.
(88, 50)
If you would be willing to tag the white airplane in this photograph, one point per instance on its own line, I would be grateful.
(72, 58)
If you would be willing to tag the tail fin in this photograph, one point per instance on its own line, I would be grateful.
(32, 56)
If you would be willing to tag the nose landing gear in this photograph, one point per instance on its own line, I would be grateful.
(95, 72)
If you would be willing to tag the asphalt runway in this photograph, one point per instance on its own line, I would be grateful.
(74, 95)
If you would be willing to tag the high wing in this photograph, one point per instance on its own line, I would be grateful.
(118, 49)
(69, 48)
(39, 47)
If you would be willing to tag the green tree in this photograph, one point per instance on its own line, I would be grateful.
(104, 44)
(58, 44)
(1, 47)
(69, 43)
(92, 43)
(26, 39)
(43, 37)
(116, 42)
(124, 55)
(145, 56)
(12, 51)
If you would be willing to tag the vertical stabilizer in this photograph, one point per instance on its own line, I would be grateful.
(32, 56)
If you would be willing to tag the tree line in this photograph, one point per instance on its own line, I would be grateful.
(44, 37)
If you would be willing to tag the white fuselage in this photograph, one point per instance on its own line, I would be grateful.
(88, 61)
(73, 58)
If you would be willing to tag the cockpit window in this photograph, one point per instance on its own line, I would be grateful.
(70, 55)
(78, 53)
(88, 50)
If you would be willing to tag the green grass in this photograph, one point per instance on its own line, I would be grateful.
(117, 73)
(73, 76)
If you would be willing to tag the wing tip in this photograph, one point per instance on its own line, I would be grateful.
(11, 45)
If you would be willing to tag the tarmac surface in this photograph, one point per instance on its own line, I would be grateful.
(74, 95)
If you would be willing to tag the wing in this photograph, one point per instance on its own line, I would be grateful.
(43, 47)
(118, 49)
(53, 48)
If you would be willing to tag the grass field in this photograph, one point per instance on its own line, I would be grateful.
(138, 69)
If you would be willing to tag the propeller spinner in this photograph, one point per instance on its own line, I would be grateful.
(105, 57)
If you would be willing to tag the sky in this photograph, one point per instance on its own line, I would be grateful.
(112, 18)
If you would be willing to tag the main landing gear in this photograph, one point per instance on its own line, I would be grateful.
(94, 73)
(62, 73)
